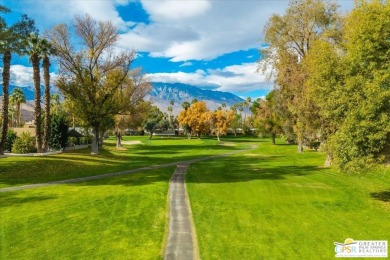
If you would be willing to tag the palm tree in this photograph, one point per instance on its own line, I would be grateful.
(34, 50)
(12, 40)
(186, 105)
(47, 50)
(18, 98)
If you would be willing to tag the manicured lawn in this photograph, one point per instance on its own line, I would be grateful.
(115, 218)
(271, 203)
(27, 170)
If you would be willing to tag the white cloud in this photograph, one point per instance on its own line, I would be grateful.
(238, 78)
(175, 10)
(47, 13)
(216, 27)
(186, 64)
(22, 76)
(179, 29)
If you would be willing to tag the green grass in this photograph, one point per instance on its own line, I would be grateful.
(272, 203)
(27, 170)
(116, 218)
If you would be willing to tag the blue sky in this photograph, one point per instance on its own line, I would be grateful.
(211, 44)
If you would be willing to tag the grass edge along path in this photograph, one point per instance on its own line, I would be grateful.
(246, 204)
(111, 218)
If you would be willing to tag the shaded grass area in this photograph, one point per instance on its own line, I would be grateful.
(115, 218)
(28, 170)
(272, 203)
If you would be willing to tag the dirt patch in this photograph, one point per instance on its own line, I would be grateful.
(227, 144)
(131, 142)
(252, 154)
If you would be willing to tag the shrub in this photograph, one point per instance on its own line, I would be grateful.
(24, 144)
(83, 140)
(10, 139)
(315, 145)
(73, 141)
(59, 132)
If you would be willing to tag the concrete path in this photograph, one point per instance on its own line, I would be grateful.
(182, 242)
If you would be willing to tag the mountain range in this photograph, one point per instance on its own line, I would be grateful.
(161, 95)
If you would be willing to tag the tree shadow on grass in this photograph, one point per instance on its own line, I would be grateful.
(227, 170)
(10, 199)
(382, 196)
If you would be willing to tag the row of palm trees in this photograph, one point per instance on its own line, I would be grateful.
(17, 98)
(22, 38)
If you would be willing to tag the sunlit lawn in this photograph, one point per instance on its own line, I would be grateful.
(115, 218)
(272, 203)
(266, 203)
(26, 170)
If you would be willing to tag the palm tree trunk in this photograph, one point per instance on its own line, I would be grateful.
(46, 77)
(19, 109)
(6, 76)
(37, 84)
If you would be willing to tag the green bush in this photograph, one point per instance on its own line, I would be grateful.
(59, 132)
(24, 144)
(85, 140)
(314, 145)
(10, 139)
(73, 140)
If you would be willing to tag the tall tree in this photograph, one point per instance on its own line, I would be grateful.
(93, 73)
(153, 120)
(47, 50)
(350, 83)
(290, 37)
(18, 98)
(34, 50)
(220, 121)
(196, 117)
(12, 40)
(267, 117)
(132, 103)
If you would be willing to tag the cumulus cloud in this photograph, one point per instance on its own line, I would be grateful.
(238, 78)
(48, 13)
(22, 76)
(180, 30)
(175, 10)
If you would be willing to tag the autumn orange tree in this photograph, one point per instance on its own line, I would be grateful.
(196, 118)
(220, 121)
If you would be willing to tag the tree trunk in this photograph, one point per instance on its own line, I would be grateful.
(118, 139)
(273, 138)
(6, 76)
(37, 84)
(328, 161)
(151, 135)
(218, 138)
(46, 77)
(19, 108)
(300, 146)
(95, 141)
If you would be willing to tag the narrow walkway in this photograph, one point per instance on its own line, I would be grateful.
(181, 235)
